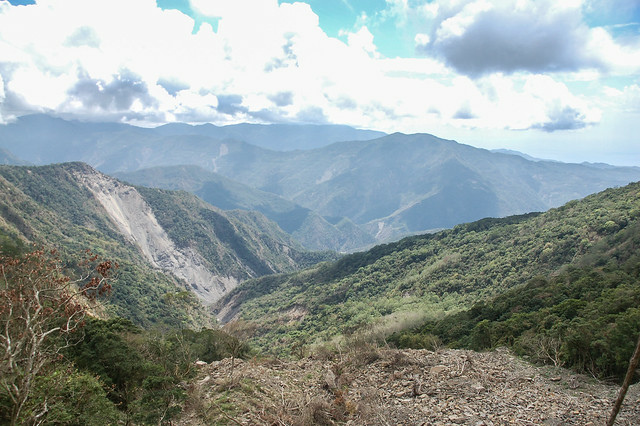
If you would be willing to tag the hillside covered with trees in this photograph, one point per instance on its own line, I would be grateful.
(583, 316)
(560, 287)
(554, 274)
(170, 245)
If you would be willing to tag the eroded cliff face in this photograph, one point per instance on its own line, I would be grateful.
(134, 218)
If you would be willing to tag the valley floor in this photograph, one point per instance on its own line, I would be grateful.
(369, 386)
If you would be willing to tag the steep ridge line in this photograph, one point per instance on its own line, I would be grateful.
(135, 220)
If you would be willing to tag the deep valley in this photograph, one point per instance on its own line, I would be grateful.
(307, 270)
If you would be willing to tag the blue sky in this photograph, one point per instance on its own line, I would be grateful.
(553, 79)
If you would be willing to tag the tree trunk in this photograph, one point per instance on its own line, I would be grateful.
(633, 364)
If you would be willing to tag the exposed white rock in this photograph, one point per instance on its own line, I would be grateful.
(224, 150)
(134, 218)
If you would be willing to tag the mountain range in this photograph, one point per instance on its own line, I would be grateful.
(276, 137)
(389, 186)
(202, 225)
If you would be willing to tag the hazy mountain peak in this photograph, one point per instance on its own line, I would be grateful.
(276, 137)
(517, 153)
(386, 182)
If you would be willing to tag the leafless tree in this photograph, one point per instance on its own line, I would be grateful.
(239, 331)
(41, 311)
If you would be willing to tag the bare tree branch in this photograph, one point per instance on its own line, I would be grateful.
(633, 365)
(41, 309)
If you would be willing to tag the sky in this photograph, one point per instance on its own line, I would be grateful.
(554, 79)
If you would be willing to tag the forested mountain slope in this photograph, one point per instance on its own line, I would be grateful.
(585, 316)
(48, 207)
(401, 184)
(426, 276)
(165, 241)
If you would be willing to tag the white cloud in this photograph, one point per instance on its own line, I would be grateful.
(562, 110)
(618, 58)
(236, 9)
(422, 39)
(90, 59)
(396, 9)
(413, 67)
(632, 98)
(40, 87)
(625, 100)
(478, 37)
(363, 40)
(2, 98)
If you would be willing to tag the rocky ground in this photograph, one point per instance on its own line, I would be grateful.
(370, 386)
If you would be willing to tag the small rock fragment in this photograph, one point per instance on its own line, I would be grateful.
(437, 369)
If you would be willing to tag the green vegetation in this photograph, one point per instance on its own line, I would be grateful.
(586, 316)
(119, 373)
(402, 183)
(48, 207)
(237, 243)
(559, 287)
(142, 370)
(60, 366)
(425, 277)
(42, 311)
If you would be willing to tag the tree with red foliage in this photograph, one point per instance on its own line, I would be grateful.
(41, 312)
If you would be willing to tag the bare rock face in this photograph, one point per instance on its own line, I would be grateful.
(135, 220)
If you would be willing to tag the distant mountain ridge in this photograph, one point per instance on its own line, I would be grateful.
(518, 153)
(390, 186)
(402, 184)
(8, 158)
(312, 230)
(276, 137)
(48, 134)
